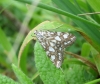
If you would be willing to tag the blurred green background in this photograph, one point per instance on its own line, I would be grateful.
(16, 20)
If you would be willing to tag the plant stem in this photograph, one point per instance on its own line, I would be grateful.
(85, 61)
(94, 81)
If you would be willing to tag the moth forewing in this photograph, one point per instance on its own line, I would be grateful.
(54, 44)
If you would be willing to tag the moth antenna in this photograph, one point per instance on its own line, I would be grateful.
(33, 35)
(53, 28)
(58, 26)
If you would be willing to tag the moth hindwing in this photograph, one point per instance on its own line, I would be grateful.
(54, 44)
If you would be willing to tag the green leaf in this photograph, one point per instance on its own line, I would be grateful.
(94, 5)
(23, 59)
(85, 50)
(47, 70)
(6, 80)
(7, 47)
(78, 74)
(96, 57)
(96, 81)
(21, 76)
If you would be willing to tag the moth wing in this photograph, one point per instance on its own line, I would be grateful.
(68, 39)
(61, 41)
(54, 44)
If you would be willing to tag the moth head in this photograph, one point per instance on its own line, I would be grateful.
(35, 31)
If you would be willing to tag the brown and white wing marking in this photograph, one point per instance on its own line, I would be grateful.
(54, 44)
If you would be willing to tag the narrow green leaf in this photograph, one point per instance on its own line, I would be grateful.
(96, 57)
(85, 50)
(96, 81)
(59, 11)
(95, 5)
(7, 47)
(23, 62)
(21, 76)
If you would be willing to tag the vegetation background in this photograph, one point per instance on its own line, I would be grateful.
(19, 18)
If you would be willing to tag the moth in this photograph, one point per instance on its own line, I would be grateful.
(54, 44)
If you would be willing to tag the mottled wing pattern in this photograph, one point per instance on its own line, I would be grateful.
(54, 44)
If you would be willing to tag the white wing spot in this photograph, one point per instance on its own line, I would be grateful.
(59, 53)
(53, 41)
(60, 48)
(52, 33)
(51, 44)
(52, 57)
(60, 57)
(69, 42)
(47, 52)
(58, 42)
(58, 33)
(39, 38)
(65, 35)
(51, 49)
(44, 46)
(48, 33)
(73, 38)
(42, 33)
(55, 47)
(65, 43)
(57, 38)
(58, 64)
